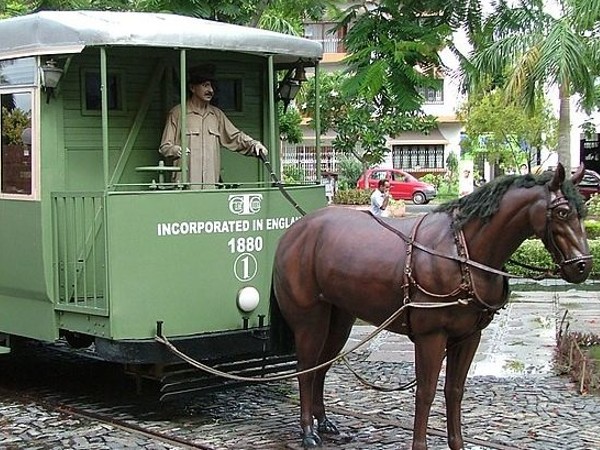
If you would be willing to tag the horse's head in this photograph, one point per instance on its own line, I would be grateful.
(562, 231)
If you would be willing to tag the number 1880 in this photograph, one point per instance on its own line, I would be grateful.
(245, 244)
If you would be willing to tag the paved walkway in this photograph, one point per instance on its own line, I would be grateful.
(513, 395)
(522, 337)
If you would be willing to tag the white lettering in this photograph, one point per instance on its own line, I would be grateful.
(223, 226)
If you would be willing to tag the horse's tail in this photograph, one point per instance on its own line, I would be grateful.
(281, 335)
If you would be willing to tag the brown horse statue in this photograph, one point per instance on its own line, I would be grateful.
(337, 264)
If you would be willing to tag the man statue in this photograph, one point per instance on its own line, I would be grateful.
(207, 129)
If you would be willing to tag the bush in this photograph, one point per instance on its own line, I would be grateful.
(592, 228)
(533, 252)
(352, 197)
(292, 174)
(593, 205)
(350, 170)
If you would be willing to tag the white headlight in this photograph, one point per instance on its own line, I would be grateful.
(248, 298)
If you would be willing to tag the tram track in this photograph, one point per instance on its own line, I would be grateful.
(265, 416)
(85, 411)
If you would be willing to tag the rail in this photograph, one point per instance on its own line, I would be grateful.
(79, 252)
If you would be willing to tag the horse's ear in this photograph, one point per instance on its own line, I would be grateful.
(558, 178)
(578, 175)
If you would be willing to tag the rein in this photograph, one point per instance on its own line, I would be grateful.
(160, 338)
(277, 182)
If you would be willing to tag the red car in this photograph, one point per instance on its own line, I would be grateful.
(403, 186)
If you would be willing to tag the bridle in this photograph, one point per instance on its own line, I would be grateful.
(548, 238)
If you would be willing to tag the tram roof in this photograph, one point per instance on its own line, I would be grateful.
(55, 32)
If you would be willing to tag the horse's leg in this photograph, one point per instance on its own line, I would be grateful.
(429, 354)
(340, 326)
(458, 361)
(309, 335)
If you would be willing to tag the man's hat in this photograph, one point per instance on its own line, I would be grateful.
(200, 74)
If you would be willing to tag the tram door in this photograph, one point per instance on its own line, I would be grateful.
(590, 152)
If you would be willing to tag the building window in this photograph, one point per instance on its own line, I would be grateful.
(16, 139)
(418, 156)
(304, 157)
(326, 33)
(92, 95)
(432, 96)
(17, 72)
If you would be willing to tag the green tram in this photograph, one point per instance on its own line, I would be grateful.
(97, 246)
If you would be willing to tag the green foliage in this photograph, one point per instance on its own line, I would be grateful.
(593, 206)
(452, 163)
(352, 197)
(523, 48)
(289, 124)
(394, 50)
(292, 174)
(592, 228)
(13, 123)
(362, 125)
(350, 170)
(503, 132)
(434, 179)
(533, 252)
(284, 16)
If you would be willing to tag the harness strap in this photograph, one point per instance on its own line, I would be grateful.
(466, 286)
(461, 259)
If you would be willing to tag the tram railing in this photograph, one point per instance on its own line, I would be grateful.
(79, 252)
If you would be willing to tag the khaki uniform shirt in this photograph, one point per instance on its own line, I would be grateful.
(207, 131)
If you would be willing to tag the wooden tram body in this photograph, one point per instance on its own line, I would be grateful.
(94, 246)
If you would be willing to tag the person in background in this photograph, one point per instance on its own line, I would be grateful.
(380, 198)
(465, 184)
(208, 128)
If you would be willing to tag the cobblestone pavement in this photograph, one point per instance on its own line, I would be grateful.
(513, 398)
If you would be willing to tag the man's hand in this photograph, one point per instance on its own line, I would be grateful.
(178, 151)
(260, 149)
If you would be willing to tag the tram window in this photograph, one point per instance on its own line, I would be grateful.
(92, 95)
(19, 71)
(15, 136)
(228, 95)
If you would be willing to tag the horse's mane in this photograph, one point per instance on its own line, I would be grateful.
(484, 202)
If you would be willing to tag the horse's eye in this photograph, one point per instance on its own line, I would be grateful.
(562, 213)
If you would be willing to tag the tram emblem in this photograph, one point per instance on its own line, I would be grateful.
(245, 204)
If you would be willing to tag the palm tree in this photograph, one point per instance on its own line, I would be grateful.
(527, 50)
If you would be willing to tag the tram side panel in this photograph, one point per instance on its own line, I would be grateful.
(25, 309)
(183, 258)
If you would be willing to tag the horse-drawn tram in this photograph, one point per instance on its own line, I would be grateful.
(99, 242)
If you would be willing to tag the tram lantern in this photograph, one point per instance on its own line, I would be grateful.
(290, 85)
(50, 76)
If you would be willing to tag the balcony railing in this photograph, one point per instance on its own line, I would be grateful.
(79, 252)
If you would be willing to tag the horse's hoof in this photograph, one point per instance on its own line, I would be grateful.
(311, 440)
(326, 426)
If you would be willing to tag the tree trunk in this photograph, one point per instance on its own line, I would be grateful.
(564, 128)
(260, 9)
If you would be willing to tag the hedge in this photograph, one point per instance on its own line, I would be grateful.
(533, 252)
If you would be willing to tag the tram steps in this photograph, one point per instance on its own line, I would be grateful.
(181, 380)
